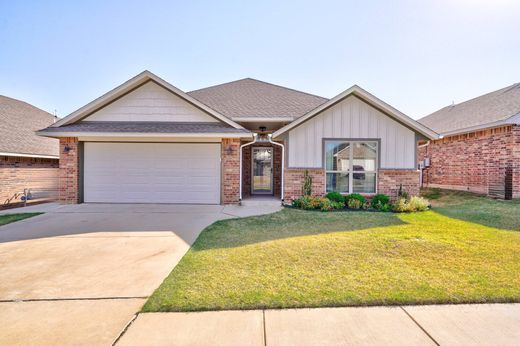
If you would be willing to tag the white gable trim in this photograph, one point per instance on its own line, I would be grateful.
(129, 86)
(30, 155)
(370, 99)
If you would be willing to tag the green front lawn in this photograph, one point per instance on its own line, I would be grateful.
(297, 258)
(5, 219)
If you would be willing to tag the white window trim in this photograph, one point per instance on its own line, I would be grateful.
(351, 171)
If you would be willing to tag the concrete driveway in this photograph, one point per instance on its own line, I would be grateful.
(78, 274)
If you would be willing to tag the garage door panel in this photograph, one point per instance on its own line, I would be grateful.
(152, 173)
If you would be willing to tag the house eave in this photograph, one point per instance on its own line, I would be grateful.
(145, 134)
(29, 155)
(515, 120)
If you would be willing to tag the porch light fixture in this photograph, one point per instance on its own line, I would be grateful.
(66, 149)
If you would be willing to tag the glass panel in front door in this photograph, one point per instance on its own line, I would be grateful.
(262, 170)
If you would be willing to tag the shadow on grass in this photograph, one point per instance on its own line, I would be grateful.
(288, 223)
(475, 208)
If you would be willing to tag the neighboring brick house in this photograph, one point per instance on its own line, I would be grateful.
(480, 146)
(146, 141)
(27, 161)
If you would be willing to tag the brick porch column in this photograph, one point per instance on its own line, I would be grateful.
(68, 185)
(230, 170)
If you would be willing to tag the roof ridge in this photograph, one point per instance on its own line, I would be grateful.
(26, 103)
(216, 85)
(287, 88)
(260, 81)
(478, 97)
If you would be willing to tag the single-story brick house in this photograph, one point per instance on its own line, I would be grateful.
(146, 141)
(480, 146)
(27, 161)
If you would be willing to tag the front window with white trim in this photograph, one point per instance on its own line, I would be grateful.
(351, 166)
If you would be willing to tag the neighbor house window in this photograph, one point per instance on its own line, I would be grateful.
(351, 166)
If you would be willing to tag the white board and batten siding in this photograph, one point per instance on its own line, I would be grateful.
(352, 118)
(150, 102)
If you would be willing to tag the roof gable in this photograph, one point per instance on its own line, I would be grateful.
(132, 85)
(489, 110)
(150, 102)
(369, 99)
(18, 123)
(249, 99)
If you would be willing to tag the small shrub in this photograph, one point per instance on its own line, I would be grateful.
(325, 204)
(316, 203)
(386, 207)
(335, 197)
(409, 206)
(309, 203)
(381, 202)
(400, 205)
(307, 184)
(337, 205)
(417, 203)
(355, 201)
(297, 203)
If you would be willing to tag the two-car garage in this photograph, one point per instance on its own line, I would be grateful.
(134, 172)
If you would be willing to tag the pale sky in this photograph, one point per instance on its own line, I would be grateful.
(416, 55)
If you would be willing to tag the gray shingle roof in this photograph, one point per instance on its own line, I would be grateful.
(18, 122)
(253, 98)
(145, 127)
(495, 106)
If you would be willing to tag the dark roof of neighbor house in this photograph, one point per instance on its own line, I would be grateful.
(251, 98)
(486, 109)
(18, 123)
(145, 127)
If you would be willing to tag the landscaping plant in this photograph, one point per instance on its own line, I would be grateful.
(335, 197)
(415, 203)
(316, 203)
(307, 184)
(381, 202)
(355, 201)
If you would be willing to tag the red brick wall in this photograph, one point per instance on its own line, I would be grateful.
(478, 162)
(390, 180)
(246, 168)
(515, 154)
(294, 182)
(230, 170)
(69, 171)
(19, 173)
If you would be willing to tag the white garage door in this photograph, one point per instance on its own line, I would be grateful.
(152, 173)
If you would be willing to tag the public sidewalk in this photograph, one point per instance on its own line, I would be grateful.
(482, 324)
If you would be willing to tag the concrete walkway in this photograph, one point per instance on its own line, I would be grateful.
(77, 274)
(487, 324)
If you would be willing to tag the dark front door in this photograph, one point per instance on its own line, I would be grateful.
(262, 170)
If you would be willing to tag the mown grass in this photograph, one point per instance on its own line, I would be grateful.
(474, 208)
(5, 219)
(297, 258)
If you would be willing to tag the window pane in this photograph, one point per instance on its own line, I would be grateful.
(337, 182)
(337, 156)
(365, 156)
(364, 182)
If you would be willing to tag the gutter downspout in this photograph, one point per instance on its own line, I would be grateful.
(421, 165)
(255, 137)
(270, 137)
